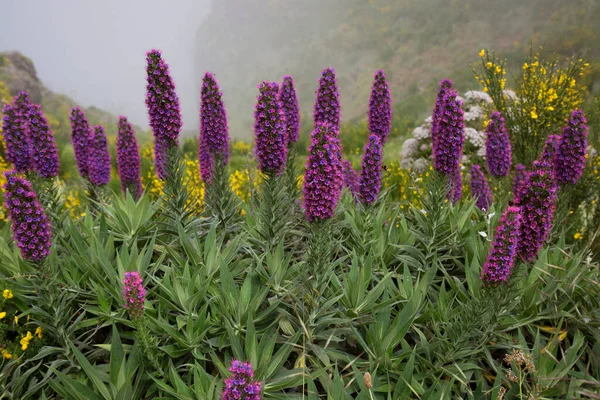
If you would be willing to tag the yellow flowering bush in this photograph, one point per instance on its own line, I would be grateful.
(406, 186)
(16, 340)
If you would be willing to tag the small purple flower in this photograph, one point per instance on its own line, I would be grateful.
(163, 110)
(128, 159)
(519, 182)
(327, 103)
(370, 175)
(291, 111)
(380, 108)
(497, 146)
(502, 255)
(450, 135)
(15, 130)
(549, 152)
(445, 86)
(80, 134)
(270, 130)
(213, 119)
(479, 188)
(241, 385)
(43, 147)
(351, 179)
(570, 156)
(134, 294)
(98, 157)
(29, 223)
(323, 181)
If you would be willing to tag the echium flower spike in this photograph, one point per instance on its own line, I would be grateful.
(98, 157)
(380, 108)
(351, 178)
(455, 180)
(502, 255)
(213, 119)
(323, 181)
(270, 130)
(327, 103)
(497, 146)
(163, 110)
(43, 147)
(479, 188)
(128, 159)
(451, 135)
(241, 385)
(519, 181)
(134, 294)
(570, 157)
(14, 128)
(538, 202)
(80, 134)
(206, 162)
(29, 223)
(548, 155)
(370, 175)
(445, 85)
(289, 104)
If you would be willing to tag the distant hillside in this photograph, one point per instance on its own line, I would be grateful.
(417, 42)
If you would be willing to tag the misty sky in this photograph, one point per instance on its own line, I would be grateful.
(94, 51)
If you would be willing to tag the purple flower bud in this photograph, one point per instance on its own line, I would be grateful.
(327, 103)
(380, 108)
(445, 86)
(479, 188)
(213, 119)
(519, 182)
(163, 109)
(450, 135)
(43, 147)
(370, 176)
(128, 159)
(16, 135)
(98, 157)
(323, 179)
(351, 179)
(497, 146)
(30, 226)
(134, 294)
(289, 105)
(570, 157)
(241, 385)
(270, 130)
(80, 134)
(503, 253)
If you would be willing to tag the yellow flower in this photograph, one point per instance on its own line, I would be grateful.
(7, 294)
(25, 341)
(7, 355)
(577, 236)
(482, 53)
(16, 320)
(489, 64)
(2, 314)
(38, 332)
(534, 114)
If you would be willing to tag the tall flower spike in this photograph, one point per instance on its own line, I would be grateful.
(134, 294)
(291, 111)
(501, 257)
(128, 159)
(549, 152)
(327, 103)
(241, 385)
(370, 175)
(205, 161)
(497, 146)
(80, 134)
(538, 202)
(14, 128)
(43, 147)
(323, 176)
(213, 119)
(479, 188)
(269, 130)
(351, 178)
(98, 157)
(445, 86)
(29, 223)
(519, 181)
(380, 108)
(451, 135)
(570, 156)
(163, 110)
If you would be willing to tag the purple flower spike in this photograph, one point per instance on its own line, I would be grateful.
(163, 109)
(98, 157)
(445, 86)
(289, 105)
(205, 161)
(44, 152)
(502, 255)
(270, 130)
(80, 134)
(537, 200)
(479, 188)
(450, 135)
(323, 179)
(351, 179)
(455, 193)
(128, 159)
(549, 152)
(241, 385)
(570, 156)
(134, 294)
(213, 119)
(30, 226)
(497, 146)
(327, 103)
(380, 108)
(370, 176)
(519, 182)
(15, 130)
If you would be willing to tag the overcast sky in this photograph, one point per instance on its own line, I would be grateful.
(94, 51)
